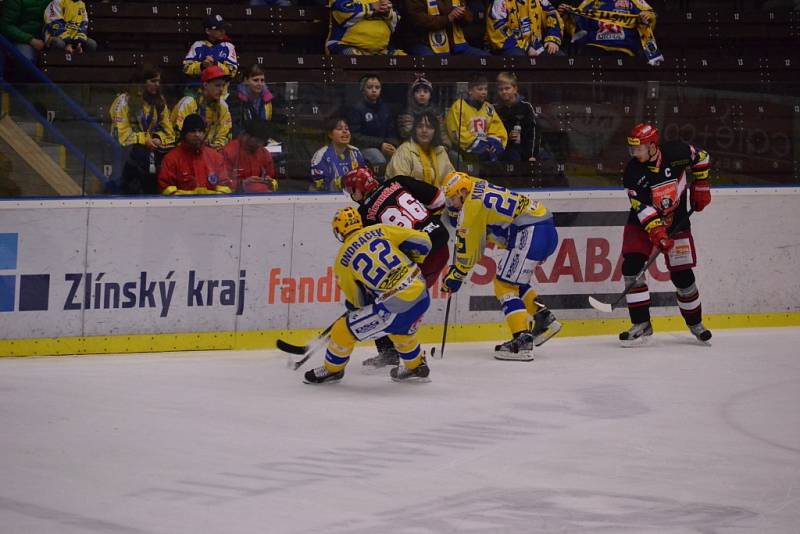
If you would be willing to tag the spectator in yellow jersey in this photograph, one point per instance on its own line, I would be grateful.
(209, 105)
(523, 28)
(361, 28)
(474, 126)
(140, 120)
(65, 25)
(523, 230)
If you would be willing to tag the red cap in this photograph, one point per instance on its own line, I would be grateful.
(212, 73)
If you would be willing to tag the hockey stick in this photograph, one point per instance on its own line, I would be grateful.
(607, 308)
(444, 332)
(306, 350)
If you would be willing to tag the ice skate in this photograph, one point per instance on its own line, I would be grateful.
(636, 335)
(321, 375)
(419, 374)
(387, 355)
(544, 327)
(383, 358)
(702, 334)
(520, 348)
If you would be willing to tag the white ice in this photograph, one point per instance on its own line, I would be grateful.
(589, 437)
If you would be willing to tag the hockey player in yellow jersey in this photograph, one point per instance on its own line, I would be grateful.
(377, 269)
(523, 230)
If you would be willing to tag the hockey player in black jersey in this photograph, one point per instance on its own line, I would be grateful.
(658, 186)
(407, 202)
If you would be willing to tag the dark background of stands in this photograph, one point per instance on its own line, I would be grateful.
(729, 83)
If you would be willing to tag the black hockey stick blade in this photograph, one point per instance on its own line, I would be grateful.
(291, 349)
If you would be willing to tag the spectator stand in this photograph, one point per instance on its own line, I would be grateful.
(732, 48)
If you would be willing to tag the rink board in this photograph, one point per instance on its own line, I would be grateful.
(120, 275)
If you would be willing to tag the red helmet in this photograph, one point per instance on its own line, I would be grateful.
(643, 134)
(361, 180)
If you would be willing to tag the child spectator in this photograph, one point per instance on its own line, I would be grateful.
(361, 28)
(249, 164)
(474, 126)
(140, 120)
(330, 163)
(615, 28)
(21, 23)
(372, 123)
(518, 118)
(192, 168)
(215, 50)
(65, 25)
(419, 101)
(435, 27)
(209, 104)
(423, 156)
(527, 28)
(251, 100)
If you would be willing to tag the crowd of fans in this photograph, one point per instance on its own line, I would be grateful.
(213, 139)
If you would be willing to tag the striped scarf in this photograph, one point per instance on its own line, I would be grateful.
(628, 21)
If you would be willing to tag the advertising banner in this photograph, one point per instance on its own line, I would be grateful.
(242, 264)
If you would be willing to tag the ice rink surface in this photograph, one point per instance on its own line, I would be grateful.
(671, 438)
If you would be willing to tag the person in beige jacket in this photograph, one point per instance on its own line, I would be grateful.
(422, 157)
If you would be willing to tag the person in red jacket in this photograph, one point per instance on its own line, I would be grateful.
(192, 167)
(248, 163)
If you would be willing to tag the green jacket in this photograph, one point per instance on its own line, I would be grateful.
(22, 20)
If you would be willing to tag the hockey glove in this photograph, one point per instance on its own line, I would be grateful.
(700, 194)
(660, 239)
(452, 282)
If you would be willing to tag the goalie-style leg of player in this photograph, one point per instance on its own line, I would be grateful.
(529, 246)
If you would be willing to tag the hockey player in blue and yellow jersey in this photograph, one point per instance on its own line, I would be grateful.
(377, 269)
(523, 229)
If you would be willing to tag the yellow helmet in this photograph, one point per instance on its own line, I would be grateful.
(345, 222)
(455, 181)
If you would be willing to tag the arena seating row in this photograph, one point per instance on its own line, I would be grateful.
(142, 27)
(302, 29)
(770, 73)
